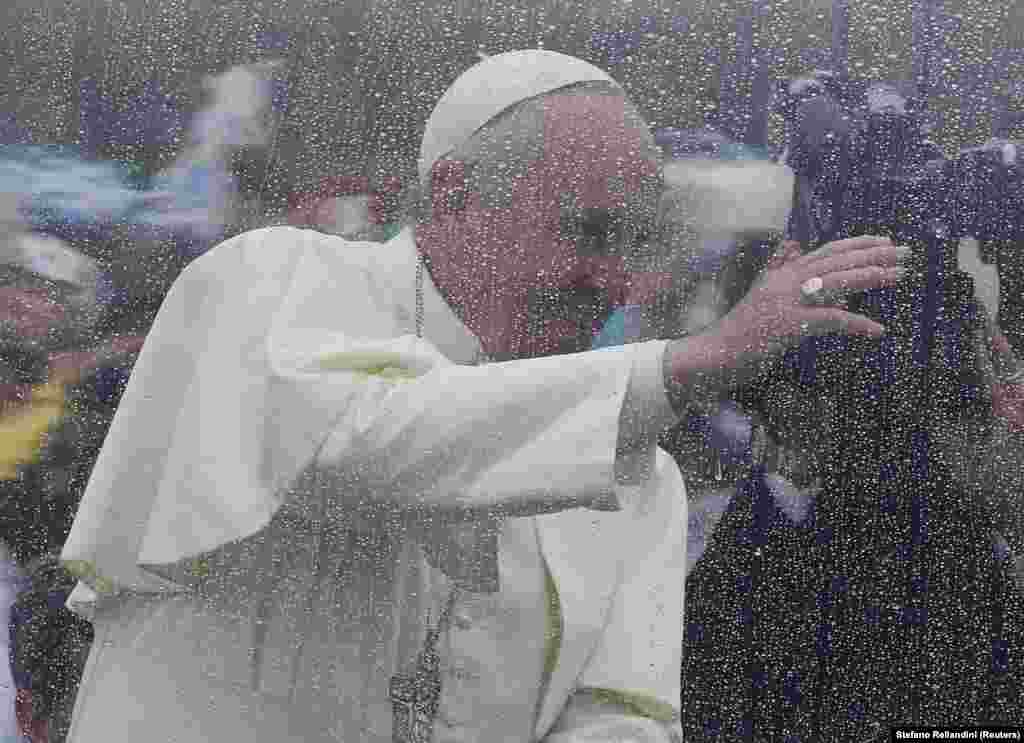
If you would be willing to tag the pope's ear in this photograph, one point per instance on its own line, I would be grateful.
(448, 187)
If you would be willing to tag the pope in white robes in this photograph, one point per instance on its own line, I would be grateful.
(319, 517)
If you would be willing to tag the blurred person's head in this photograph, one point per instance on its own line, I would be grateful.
(48, 291)
(794, 93)
(235, 106)
(346, 206)
(721, 217)
(535, 209)
(884, 97)
(893, 113)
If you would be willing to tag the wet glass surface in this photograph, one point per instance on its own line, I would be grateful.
(296, 486)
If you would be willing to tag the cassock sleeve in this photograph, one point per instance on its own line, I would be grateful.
(523, 437)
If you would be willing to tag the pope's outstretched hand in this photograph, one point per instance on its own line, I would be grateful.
(796, 296)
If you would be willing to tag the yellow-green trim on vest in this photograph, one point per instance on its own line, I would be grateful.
(86, 572)
(553, 636)
(637, 705)
(367, 363)
(183, 574)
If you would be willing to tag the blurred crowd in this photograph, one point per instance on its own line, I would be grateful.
(863, 164)
(87, 252)
(857, 530)
(861, 442)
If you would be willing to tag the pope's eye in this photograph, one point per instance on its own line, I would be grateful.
(597, 232)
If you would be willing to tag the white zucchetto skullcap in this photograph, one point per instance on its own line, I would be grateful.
(490, 87)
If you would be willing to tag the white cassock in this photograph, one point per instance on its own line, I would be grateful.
(253, 542)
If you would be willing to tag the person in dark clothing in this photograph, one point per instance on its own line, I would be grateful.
(61, 377)
(989, 187)
(819, 131)
(887, 600)
(39, 502)
(48, 649)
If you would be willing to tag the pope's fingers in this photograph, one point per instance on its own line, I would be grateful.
(883, 256)
(788, 251)
(838, 247)
(860, 279)
(836, 320)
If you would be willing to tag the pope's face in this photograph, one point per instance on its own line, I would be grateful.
(558, 239)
